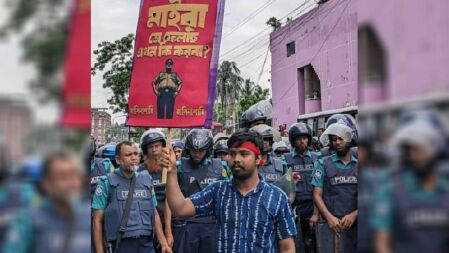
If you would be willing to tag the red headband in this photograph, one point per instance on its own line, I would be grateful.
(251, 147)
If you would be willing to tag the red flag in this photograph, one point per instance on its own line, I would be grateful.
(76, 91)
(175, 63)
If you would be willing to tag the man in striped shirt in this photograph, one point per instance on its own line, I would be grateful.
(252, 215)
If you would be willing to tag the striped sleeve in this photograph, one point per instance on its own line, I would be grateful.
(204, 201)
(285, 221)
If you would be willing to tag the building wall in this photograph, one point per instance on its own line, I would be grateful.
(414, 36)
(326, 38)
(15, 125)
(101, 122)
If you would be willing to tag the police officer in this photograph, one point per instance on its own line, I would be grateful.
(221, 150)
(301, 161)
(346, 119)
(252, 117)
(411, 210)
(273, 168)
(280, 149)
(335, 179)
(197, 234)
(109, 204)
(152, 143)
(102, 164)
(178, 147)
(14, 194)
(166, 86)
(60, 222)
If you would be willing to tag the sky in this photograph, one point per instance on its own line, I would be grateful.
(243, 19)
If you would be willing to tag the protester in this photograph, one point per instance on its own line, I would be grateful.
(252, 215)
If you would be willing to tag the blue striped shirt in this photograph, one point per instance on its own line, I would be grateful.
(251, 223)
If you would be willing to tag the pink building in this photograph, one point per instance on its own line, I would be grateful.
(314, 65)
(403, 50)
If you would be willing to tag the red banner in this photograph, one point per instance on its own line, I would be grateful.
(76, 90)
(175, 63)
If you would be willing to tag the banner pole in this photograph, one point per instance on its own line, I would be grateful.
(170, 149)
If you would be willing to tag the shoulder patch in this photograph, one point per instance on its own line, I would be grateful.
(99, 190)
(318, 174)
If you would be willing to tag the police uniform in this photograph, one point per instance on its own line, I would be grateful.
(41, 230)
(111, 195)
(369, 181)
(304, 193)
(99, 167)
(417, 219)
(197, 234)
(159, 189)
(273, 169)
(13, 197)
(167, 85)
(339, 183)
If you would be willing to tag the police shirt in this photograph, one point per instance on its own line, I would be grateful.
(250, 223)
(21, 236)
(382, 215)
(319, 174)
(100, 198)
(225, 173)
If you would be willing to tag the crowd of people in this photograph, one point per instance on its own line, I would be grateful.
(224, 193)
(256, 190)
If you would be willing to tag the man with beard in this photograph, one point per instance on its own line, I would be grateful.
(197, 171)
(60, 222)
(335, 188)
(178, 147)
(411, 212)
(301, 162)
(152, 143)
(252, 215)
(166, 86)
(327, 148)
(136, 233)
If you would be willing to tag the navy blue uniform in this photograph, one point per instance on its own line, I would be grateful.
(197, 234)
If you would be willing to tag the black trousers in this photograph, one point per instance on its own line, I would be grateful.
(165, 103)
(195, 238)
(135, 245)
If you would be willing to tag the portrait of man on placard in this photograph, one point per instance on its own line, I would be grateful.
(166, 86)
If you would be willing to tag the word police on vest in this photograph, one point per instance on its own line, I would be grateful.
(270, 176)
(204, 181)
(157, 182)
(426, 218)
(307, 167)
(344, 180)
(137, 194)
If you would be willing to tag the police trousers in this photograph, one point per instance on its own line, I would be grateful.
(195, 238)
(347, 243)
(142, 244)
(165, 104)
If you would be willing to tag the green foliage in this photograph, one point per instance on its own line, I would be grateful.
(235, 94)
(44, 45)
(274, 23)
(115, 60)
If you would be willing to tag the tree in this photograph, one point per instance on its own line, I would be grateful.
(115, 59)
(248, 87)
(247, 101)
(274, 23)
(44, 45)
(229, 86)
(228, 83)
